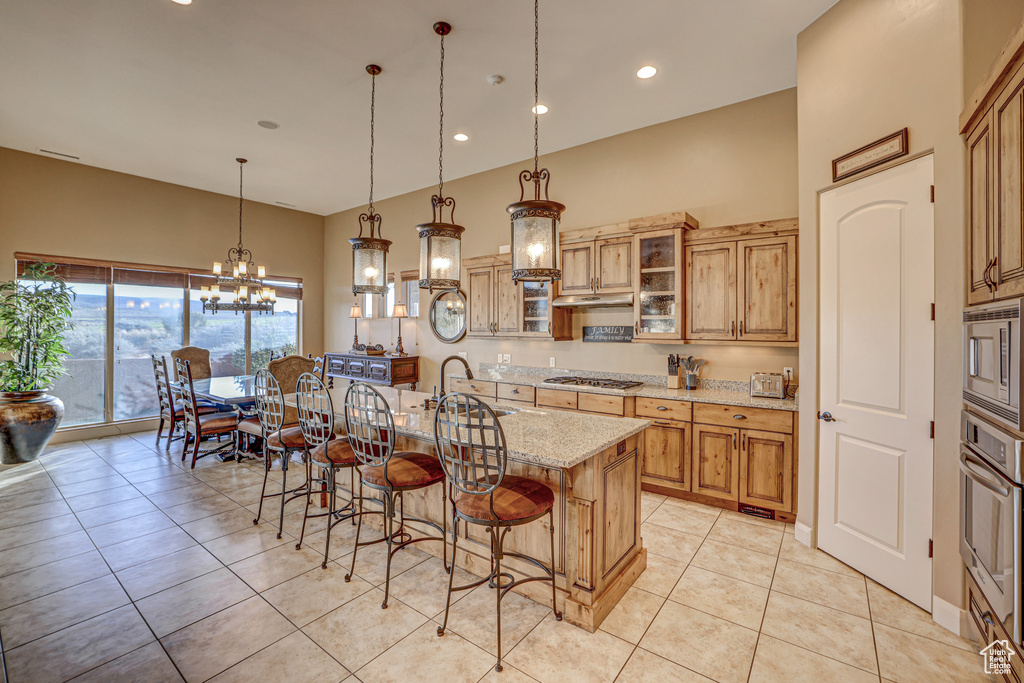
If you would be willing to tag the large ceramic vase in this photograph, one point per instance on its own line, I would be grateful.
(28, 420)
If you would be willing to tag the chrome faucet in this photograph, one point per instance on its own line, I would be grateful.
(469, 373)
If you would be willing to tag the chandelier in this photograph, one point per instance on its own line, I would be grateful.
(370, 254)
(245, 290)
(535, 221)
(440, 242)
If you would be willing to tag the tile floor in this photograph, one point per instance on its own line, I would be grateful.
(116, 564)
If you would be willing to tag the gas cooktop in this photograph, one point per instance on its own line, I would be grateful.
(592, 382)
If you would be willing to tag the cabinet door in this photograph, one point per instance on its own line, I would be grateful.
(711, 291)
(614, 265)
(667, 452)
(507, 302)
(715, 465)
(578, 268)
(535, 310)
(980, 205)
(766, 289)
(658, 288)
(1008, 233)
(766, 470)
(481, 302)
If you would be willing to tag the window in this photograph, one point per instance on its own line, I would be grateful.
(411, 292)
(82, 389)
(123, 315)
(389, 298)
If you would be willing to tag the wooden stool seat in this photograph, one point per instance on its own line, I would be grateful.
(286, 437)
(516, 499)
(405, 470)
(335, 452)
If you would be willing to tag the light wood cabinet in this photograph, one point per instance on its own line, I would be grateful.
(715, 465)
(766, 469)
(499, 307)
(742, 290)
(980, 159)
(667, 452)
(658, 285)
(1008, 118)
(602, 266)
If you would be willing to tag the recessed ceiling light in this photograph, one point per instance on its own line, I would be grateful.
(269, 125)
(461, 137)
(183, 2)
(646, 71)
(540, 109)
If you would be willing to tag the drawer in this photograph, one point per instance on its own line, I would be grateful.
(602, 403)
(742, 417)
(474, 387)
(356, 368)
(660, 409)
(556, 398)
(516, 392)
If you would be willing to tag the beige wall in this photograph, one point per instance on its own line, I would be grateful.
(866, 69)
(731, 165)
(57, 207)
(987, 24)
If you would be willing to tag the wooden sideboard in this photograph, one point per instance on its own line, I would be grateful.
(385, 370)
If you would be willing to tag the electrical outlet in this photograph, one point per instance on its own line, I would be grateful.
(552, 361)
(463, 355)
(787, 373)
(499, 359)
(506, 358)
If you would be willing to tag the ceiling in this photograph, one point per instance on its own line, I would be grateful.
(173, 93)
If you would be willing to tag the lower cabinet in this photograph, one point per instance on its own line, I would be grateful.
(667, 452)
(715, 464)
(766, 470)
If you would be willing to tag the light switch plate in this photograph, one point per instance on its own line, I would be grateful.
(552, 361)
(506, 358)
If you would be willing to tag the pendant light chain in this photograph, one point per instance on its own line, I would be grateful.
(536, 83)
(240, 167)
(373, 105)
(440, 132)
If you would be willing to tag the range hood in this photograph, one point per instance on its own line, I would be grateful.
(594, 301)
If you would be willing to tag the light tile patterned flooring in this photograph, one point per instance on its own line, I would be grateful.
(117, 564)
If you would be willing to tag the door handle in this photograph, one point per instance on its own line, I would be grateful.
(592, 287)
(826, 417)
(995, 262)
(732, 327)
(743, 442)
(661, 422)
(741, 328)
(739, 417)
(734, 441)
(969, 466)
(515, 391)
(662, 408)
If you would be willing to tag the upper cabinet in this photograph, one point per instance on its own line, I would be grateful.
(602, 266)
(741, 283)
(993, 123)
(499, 307)
(658, 295)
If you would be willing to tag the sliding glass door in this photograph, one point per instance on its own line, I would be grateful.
(83, 387)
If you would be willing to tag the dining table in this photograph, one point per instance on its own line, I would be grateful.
(238, 391)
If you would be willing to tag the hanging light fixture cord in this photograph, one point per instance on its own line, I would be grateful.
(373, 104)
(536, 82)
(440, 132)
(240, 167)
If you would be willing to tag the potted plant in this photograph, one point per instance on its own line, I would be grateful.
(35, 314)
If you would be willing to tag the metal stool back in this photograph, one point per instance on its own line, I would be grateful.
(471, 445)
(316, 409)
(269, 403)
(370, 426)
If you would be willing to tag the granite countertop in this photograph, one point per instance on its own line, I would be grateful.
(550, 438)
(724, 392)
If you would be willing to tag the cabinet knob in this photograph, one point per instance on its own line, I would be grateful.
(515, 391)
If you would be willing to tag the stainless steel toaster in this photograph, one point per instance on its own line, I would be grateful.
(766, 385)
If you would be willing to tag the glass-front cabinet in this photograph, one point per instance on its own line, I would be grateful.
(658, 308)
(499, 307)
(536, 305)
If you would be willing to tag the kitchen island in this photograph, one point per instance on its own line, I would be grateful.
(592, 463)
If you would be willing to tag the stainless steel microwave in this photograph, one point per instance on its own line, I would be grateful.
(992, 374)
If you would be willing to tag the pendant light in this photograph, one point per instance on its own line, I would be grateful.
(370, 254)
(535, 221)
(440, 242)
(245, 290)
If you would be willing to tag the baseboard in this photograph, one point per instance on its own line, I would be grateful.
(946, 614)
(802, 533)
(112, 429)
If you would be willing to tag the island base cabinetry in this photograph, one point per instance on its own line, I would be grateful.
(598, 549)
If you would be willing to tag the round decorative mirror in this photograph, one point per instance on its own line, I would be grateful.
(448, 315)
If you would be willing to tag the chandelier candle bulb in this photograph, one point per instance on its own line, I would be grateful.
(243, 268)
(261, 272)
(216, 267)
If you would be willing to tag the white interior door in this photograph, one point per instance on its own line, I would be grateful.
(876, 366)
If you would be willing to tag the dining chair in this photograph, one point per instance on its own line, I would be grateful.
(286, 371)
(199, 359)
(277, 439)
(472, 449)
(371, 433)
(330, 454)
(171, 410)
(200, 425)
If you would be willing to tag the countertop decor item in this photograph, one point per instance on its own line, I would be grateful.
(440, 241)
(35, 316)
(370, 254)
(535, 221)
(690, 365)
(247, 292)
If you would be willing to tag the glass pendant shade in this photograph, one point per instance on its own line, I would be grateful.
(440, 255)
(535, 233)
(369, 265)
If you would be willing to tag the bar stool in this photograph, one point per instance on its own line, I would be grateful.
(198, 424)
(276, 439)
(316, 419)
(471, 447)
(371, 433)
